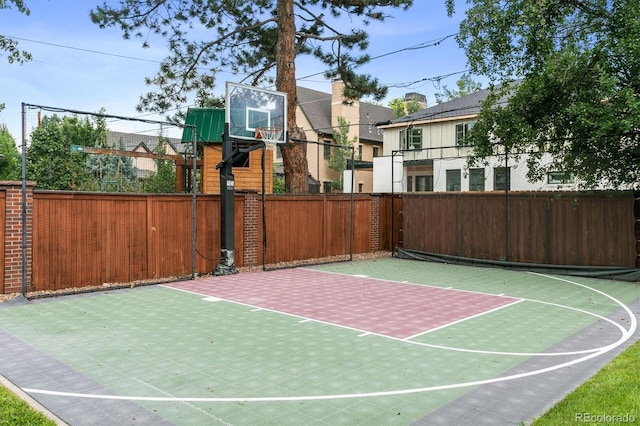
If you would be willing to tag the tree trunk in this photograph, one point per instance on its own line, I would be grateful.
(294, 154)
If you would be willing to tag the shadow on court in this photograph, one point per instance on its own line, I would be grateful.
(384, 341)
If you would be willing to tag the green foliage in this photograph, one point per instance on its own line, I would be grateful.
(613, 391)
(278, 185)
(465, 86)
(163, 181)
(339, 156)
(10, 162)
(10, 46)
(16, 412)
(50, 161)
(112, 173)
(244, 38)
(578, 97)
(401, 107)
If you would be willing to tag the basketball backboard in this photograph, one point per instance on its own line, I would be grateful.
(249, 108)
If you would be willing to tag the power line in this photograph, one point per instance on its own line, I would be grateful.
(424, 45)
(97, 52)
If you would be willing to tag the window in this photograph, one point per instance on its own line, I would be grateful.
(559, 178)
(326, 187)
(359, 152)
(327, 151)
(411, 139)
(461, 132)
(501, 179)
(454, 178)
(360, 187)
(424, 183)
(409, 183)
(376, 151)
(476, 180)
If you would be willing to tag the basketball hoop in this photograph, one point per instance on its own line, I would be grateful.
(270, 136)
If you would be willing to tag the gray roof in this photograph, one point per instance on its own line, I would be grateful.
(316, 106)
(459, 107)
(132, 141)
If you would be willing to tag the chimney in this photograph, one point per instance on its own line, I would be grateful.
(347, 109)
(417, 97)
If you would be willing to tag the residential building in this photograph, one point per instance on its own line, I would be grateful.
(426, 151)
(317, 113)
(146, 144)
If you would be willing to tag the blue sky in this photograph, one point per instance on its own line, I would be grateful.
(77, 65)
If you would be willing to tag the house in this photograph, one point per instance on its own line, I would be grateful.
(426, 151)
(317, 113)
(145, 144)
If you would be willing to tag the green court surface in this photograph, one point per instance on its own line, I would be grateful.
(189, 358)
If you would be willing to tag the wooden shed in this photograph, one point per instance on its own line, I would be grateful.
(247, 169)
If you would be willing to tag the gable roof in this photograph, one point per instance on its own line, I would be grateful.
(316, 106)
(133, 141)
(468, 105)
(458, 107)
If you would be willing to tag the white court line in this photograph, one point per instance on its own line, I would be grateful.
(626, 336)
(463, 320)
(410, 283)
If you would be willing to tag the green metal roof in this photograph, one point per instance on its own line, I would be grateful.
(209, 123)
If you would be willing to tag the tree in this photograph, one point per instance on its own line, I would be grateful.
(339, 156)
(402, 107)
(50, 160)
(10, 46)
(252, 38)
(578, 94)
(10, 164)
(163, 181)
(14, 54)
(112, 173)
(465, 86)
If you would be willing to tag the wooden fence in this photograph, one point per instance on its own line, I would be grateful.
(88, 239)
(579, 228)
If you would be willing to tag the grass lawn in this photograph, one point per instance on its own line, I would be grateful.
(14, 411)
(611, 396)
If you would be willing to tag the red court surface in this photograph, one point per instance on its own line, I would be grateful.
(398, 310)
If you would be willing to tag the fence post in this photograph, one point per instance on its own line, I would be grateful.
(12, 268)
(374, 233)
(636, 215)
(250, 229)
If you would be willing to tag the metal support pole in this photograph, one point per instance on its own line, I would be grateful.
(24, 200)
(507, 182)
(194, 200)
(227, 209)
(351, 201)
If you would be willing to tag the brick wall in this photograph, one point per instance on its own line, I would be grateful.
(12, 268)
(250, 231)
(374, 233)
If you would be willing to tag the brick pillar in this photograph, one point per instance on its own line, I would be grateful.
(374, 233)
(12, 268)
(250, 239)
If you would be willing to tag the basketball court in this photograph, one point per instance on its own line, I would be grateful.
(384, 341)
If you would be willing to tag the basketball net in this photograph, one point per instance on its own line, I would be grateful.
(270, 136)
